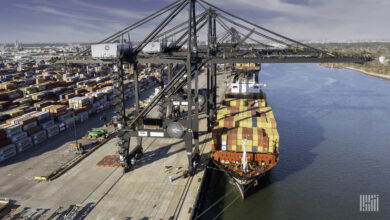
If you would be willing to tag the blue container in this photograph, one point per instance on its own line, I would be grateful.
(4, 117)
(254, 148)
(254, 122)
(48, 93)
(30, 109)
(43, 120)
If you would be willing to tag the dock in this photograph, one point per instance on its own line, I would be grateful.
(153, 189)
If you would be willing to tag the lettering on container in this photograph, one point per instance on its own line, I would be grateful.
(156, 134)
(142, 133)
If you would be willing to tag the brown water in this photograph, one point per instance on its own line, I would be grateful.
(334, 130)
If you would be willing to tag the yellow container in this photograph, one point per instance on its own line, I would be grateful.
(255, 136)
(58, 77)
(16, 113)
(270, 148)
(239, 135)
(224, 137)
(275, 134)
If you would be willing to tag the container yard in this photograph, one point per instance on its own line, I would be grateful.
(42, 105)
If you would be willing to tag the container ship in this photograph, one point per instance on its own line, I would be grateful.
(245, 141)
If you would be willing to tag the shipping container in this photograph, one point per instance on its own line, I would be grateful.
(11, 129)
(7, 152)
(109, 50)
(39, 135)
(17, 136)
(155, 47)
(47, 124)
(24, 144)
(52, 130)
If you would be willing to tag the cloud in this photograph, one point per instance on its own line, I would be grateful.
(53, 11)
(317, 20)
(125, 13)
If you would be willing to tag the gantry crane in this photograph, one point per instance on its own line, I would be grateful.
(266, 46)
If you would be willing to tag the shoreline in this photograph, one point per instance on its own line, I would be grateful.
(376, 75)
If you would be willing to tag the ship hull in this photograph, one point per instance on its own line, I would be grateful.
(243, 184)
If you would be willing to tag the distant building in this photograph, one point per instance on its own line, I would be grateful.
(383, 60)
(18, 45)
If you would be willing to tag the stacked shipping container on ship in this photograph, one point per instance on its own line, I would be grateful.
(245, 140)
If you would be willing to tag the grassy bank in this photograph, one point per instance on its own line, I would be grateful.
(375, 49)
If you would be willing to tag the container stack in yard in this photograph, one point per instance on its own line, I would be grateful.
(38, 105)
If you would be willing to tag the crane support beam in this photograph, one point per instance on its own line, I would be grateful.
(180, 100)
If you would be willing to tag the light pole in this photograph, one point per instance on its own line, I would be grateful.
(75, 130)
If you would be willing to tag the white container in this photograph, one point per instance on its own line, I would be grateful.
(53, 133)
(16, 137)
(12, 129)
(53, 127)
(7, 152)
(47, 124)
(40, 139)
(108, 89)
(23, 141)
(53, 130)
(42, 115)
(62, 127)
(39, 135)
(108, 50)
(24, 144)
(97, 94)
(65, 116)
(17, 120)
(154, 47)
(79, 100)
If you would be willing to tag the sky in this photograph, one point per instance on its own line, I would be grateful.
(42, 21)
